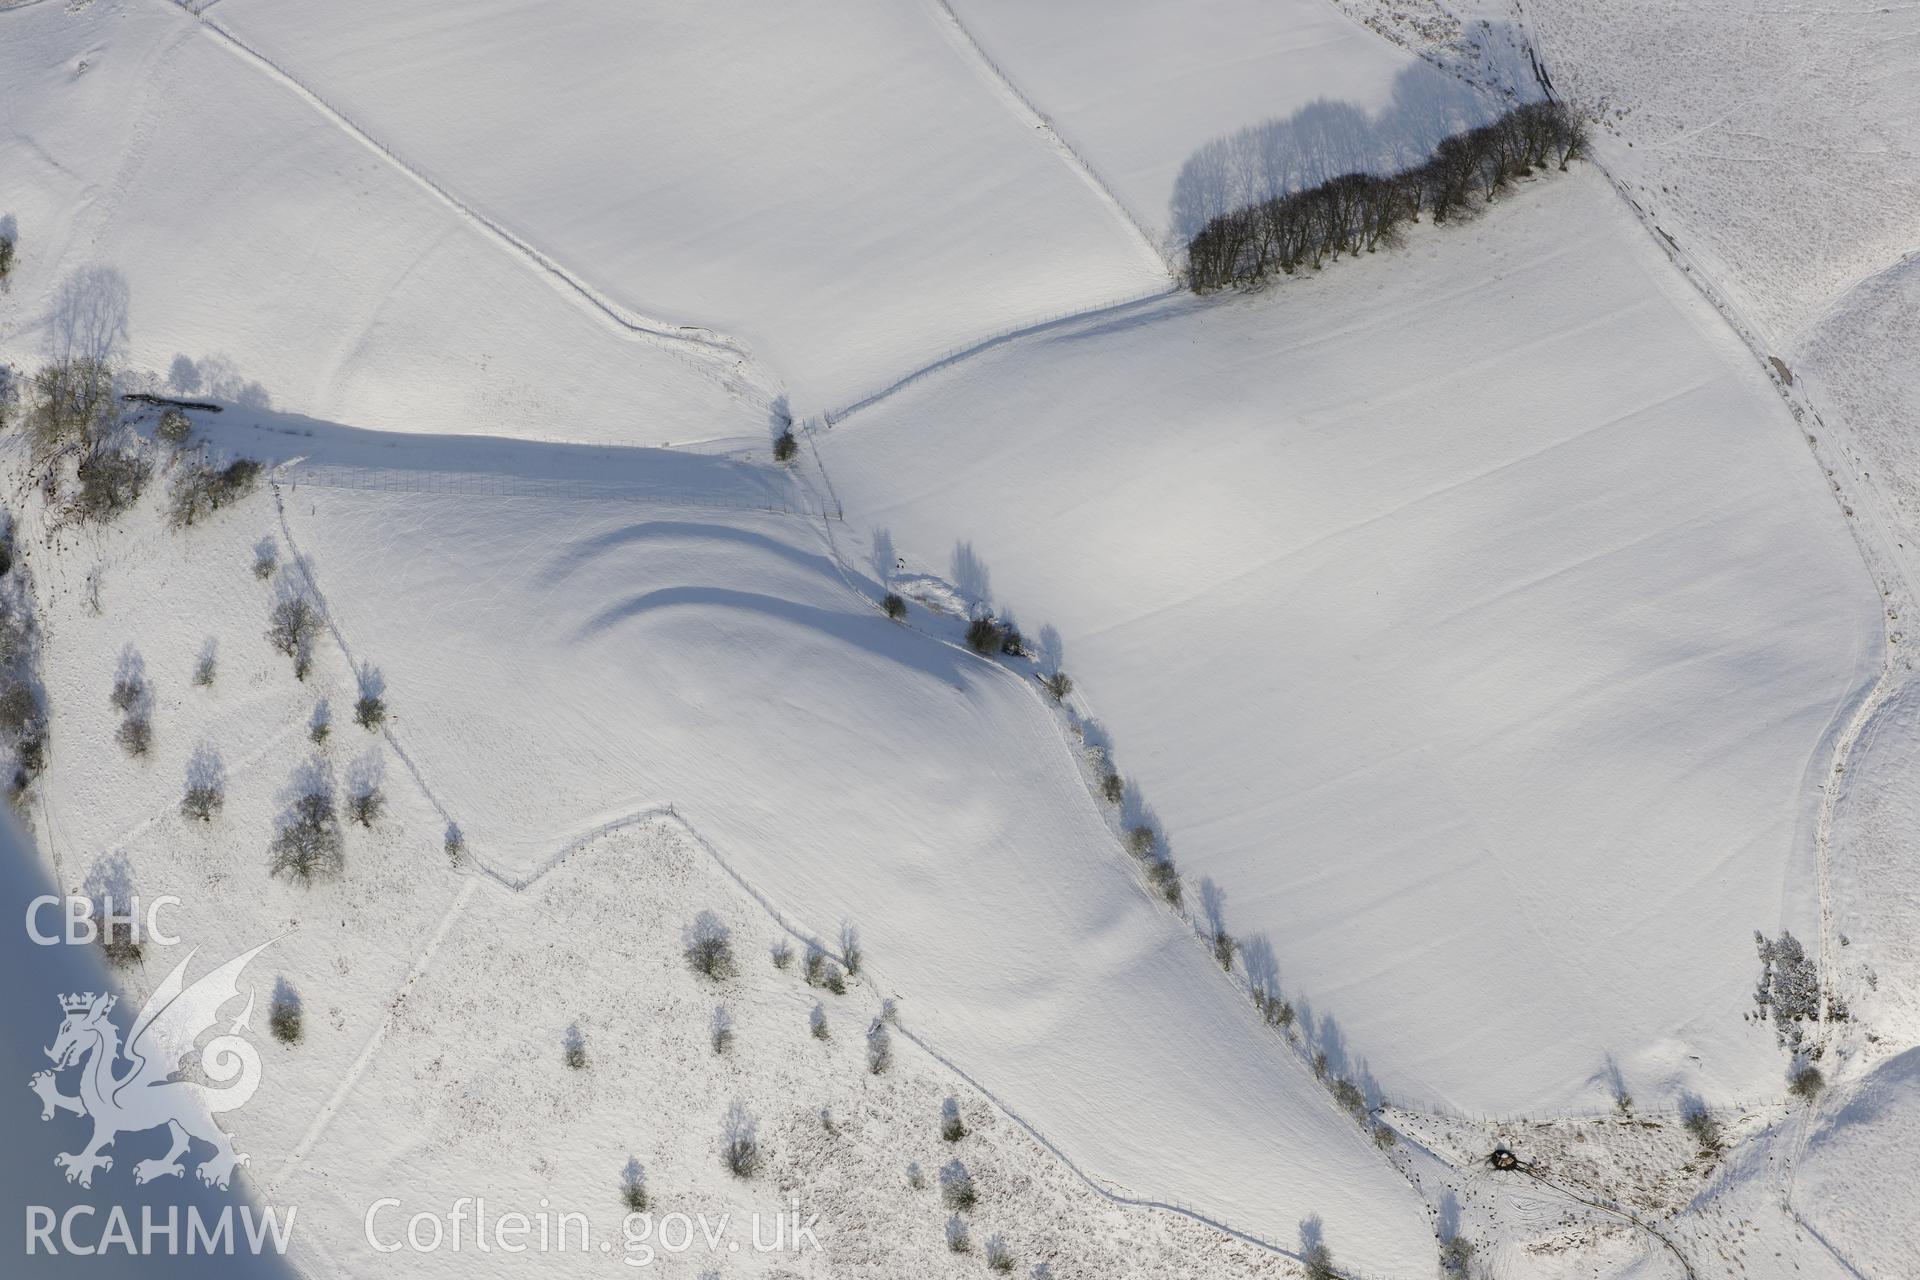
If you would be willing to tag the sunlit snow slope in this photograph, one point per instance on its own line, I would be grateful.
(554, 665)
(835, 183)
(1143, 89)
(1472, 615)
(266, 254)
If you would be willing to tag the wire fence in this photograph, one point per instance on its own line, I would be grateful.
(1053, 130)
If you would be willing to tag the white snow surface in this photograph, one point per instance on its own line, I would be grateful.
(556, 665)
(803, 178)
(1142, 89)
(286, 261)
(1854, 1182)
(1473, 616)
(1472, 619)
(1776, 143)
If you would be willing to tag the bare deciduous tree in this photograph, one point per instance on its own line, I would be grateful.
(291, 629)
(709, 946)
(740, 1143)
(308, 845)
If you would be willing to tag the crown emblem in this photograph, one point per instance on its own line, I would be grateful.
(83, 1002)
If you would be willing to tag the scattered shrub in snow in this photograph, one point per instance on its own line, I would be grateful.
(321, 723)
(1059, 685)
(1113, 788)
(129, 689)
(1319, 1064)
(1807, 1082)
(709, 946)
(782, 954)
(201, 802)
(952, 1127)
(740, 1143)
(1011, 642)
(633, 1187)
(1705, 1129)
(879, 1050)
(291, 628)
(266, 558)
(201, 489)
(999, 1255)
(6, 256)
(1276, 1011)
(722, 1030)
(308, 846)
(957, 1190)
(366, 805)
(283, 1015)
(916, 1176)
(456, 844)
(135, 734)
(1456, 1256)
(1789, 989)
(573, 1048)
(958, 1238)
(1348, 1095)
(894, 605)
(118, 942)
(1319, 1262)
(1358, 212)
(1141, 840)
(785, 446)
(850, 947)
(68, 403)
(1223, 948)
(175, 426)
(205, 668)
(206, 785)
(111, 481)
(817, 1020)
(983, 636)
(1383, 1137)
(1166, 880)
(823, 972)
(370, 712)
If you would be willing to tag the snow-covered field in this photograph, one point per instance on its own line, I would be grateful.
(1777, 143)
(1474, 617)
(1491, 634)
(265, 255)
(801, 178)
(1165, 99)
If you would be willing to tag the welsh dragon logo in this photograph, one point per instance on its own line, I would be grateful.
(143, 1095)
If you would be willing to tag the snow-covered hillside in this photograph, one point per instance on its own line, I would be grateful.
(1182, 108)
(263, 254)
(1491, 634)
(622, 656)
(1778, 144)
(1474, 617)
(802, 178)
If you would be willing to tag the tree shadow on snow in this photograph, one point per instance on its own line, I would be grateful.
(1327, 139)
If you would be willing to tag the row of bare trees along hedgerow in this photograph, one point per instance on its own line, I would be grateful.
(1360, 212)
